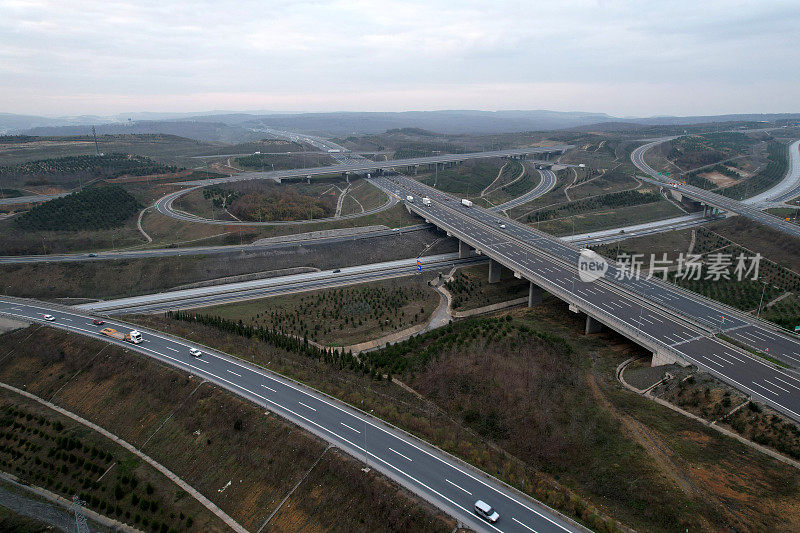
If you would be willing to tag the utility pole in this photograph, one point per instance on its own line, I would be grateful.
(758, 314)
(80, 519)
(96, 148)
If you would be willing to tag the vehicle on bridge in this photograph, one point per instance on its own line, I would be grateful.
(410, 198)
(426, 201)
(134, 336)
(466, 203)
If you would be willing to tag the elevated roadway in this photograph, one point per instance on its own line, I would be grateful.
(675, 324)
(710, 315)
(787, 188)
(425, 470)
(544, 186)
(164, 205)
(301, 239)
(263, 288)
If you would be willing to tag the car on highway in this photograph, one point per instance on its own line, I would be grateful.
(49, 318)
(98, 322)
(502, 226)
(92, 254)
(485, 511)
(194, 352)
(337, 270)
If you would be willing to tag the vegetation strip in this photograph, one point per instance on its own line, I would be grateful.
(178, 481)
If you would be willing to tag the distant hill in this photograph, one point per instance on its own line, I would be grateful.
(233, 127)
(198, 130)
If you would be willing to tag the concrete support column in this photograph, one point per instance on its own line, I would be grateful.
(661, 359)
(534, 295)
(495, 270)
(464, 250)
(592, 325)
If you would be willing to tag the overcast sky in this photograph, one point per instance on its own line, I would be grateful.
(625, 58)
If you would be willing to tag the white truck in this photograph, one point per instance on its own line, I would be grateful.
(466, 203)
(410, 198)
(134, 336)
(426, 201)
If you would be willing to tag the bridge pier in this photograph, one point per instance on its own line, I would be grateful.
(592, 325)
(495, 270)
(534, 295)
(661, 359)
(464, 250)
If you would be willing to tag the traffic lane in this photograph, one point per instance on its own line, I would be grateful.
(633, 314)
(231, 289)
(205, 250)
(251, 294)
(705, 352)
(700, 309)
(767, 341)
(759, 378)
(391, 450)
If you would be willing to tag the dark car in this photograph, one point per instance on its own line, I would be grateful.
(98, 322)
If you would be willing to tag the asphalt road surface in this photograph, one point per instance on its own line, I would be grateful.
(207, 250)
(263, 288)
(423, 469)
(653, 313)
(545, 185)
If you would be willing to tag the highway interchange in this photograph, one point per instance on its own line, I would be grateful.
(648, 311)
(654, 314)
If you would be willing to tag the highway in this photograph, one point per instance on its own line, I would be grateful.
(424, 470)
(33, 199)
(730, 205)
(788, 188)
(654, 314)
(263, 288)
(164, 206)
(710, 315)
(545, 185)
(301, 239)
(360, 164)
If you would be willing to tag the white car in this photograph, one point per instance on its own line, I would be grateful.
(49, 318)
(194, 352)
(502, 226)
(485, 511)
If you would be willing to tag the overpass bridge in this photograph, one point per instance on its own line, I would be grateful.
(677, 326)
(365, 165)
(713, 202)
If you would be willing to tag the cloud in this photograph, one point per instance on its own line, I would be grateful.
(85, 56)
